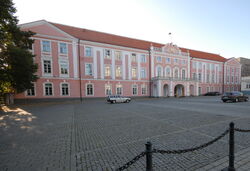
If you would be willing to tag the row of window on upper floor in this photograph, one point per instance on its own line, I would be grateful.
(208, 66)
(46, 47)
(48, 89)
(159, 59)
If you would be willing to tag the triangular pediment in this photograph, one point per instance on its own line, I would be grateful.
(233, 61)
(43, 27)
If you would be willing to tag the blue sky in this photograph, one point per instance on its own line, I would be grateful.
(216, 26)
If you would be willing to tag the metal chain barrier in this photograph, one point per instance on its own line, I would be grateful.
(191, 149)
(135, 159)
(241, 130)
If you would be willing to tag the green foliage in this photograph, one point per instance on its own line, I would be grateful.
(16, 62)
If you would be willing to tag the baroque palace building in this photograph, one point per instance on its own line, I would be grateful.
(75, 62)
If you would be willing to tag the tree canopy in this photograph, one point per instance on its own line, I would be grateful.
(17, 69)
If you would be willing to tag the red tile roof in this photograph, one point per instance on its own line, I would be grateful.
(95, 36)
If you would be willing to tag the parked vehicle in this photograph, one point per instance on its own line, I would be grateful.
(234, 96)
(212, 93)
(118, 99)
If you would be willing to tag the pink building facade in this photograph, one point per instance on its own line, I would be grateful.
(74, 63)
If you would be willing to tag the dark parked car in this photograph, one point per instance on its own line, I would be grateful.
(212, 93)
(234, 96)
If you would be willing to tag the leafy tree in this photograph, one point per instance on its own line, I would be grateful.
(16, 61)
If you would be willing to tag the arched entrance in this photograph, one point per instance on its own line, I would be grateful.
(166, 90)
(191, 89)
(179, 90)
(155, 92)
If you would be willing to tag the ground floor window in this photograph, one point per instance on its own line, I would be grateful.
(108, 89)
(65, 89)
(89, 89)
(48, 89)
(119, 89)
(143, 89)
(207, 89)
(200, 90)
(31, 91)
(134, 89)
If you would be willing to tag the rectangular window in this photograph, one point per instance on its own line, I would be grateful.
(65, 89)
(200, 65)
(133, 56)
(143, 73)
(143, 58)
(194, 76)
(200, 90)
(48, 89)
(194, 65)
(118, 55)
(212, 66)
(175, 60)
(63, 48)
(88, 69)
(213, 78)
(88, 51)
(199, 76)
(134, 72)
(64, 67)
(168, 60)
(107, 54)
(143, 89)
(134, 89)
(119, 89)
(118, 71)
(47, 66)
(232, 80)
(31, 91)
(46, 47)
(107, 71)
(158, 58)
(207, 89)
(208, 78)
(183, 62)
(108, 89)
(89, 90)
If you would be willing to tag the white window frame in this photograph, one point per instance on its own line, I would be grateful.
(168, 61)
(159, 59)
(51, 66)
(119, 86)
(42, 50)
(59, 48)
(61, 92)
(133, 57)
(118, 55)
(133, 89)
(107, 56)
(143, 86)
(86, 89)
(144, 75)
(135, 69)
(143, 58)
(91, 69)
(116, 71)
(110, 70)
(168, 67)
(67, 62)
(44, 89)
(106, 85)
(34, 85)
(85, 51)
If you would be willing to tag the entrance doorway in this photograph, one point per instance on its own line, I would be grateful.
(166, 90)
(179, 90)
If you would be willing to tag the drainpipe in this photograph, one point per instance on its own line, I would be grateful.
(79, 67)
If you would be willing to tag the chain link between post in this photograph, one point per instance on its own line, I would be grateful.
(128, 164)
(241, 130)
(191, 149)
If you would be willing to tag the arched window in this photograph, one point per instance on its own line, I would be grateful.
(168, 72)
(176, 73)
(183, 74)
(159, 71)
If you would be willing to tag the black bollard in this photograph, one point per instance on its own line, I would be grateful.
(231, 148)
(149, 164)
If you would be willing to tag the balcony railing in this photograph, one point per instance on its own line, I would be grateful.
(174, 79)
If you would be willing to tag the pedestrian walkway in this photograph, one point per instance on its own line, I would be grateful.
(242, 162)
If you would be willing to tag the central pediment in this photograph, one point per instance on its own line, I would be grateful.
(171, 48)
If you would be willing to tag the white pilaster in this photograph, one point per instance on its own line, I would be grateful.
(159, 88)
(95, 63)
(171, 89)
(129, 67)
(123, 66)
(188, 72)
(102, 63)
(138, 66)
(75, 59)
(113, 65)
(152, 63)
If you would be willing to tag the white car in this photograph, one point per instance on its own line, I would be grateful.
(118, 99)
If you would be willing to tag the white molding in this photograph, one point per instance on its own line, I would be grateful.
(51, 63)
(26, 92)
(93, 87)
(113, 64)
(123, 66)
(44, 94)
(61, 89)
(75, 58)
(94, 62)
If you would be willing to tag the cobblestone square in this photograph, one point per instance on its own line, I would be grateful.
(98, 136)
